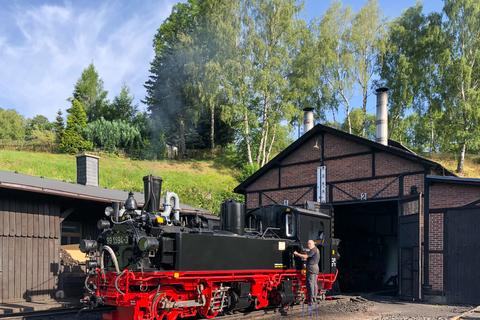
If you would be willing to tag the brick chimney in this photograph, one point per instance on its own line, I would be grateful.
(87, 169)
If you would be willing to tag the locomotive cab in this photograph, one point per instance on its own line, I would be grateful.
(298, 225)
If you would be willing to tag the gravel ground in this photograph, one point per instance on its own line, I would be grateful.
(345, 308)
(377, 309)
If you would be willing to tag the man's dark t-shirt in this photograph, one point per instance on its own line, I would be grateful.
(312, 261)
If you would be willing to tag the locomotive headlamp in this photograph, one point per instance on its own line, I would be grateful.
(108, 211)
(148, 244)
(87, 245)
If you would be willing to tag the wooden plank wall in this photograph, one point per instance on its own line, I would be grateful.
(29, 248)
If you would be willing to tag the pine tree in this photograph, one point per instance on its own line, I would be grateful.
(59, 127)
(89, 91)
(122, 107)
(72, 138)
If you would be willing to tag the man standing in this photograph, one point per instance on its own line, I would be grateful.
(313, 258)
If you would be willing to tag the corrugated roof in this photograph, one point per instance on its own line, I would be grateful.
(393, 148)
(18, 181)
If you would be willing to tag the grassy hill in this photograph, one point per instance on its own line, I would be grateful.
(471, 168)
(198, 183)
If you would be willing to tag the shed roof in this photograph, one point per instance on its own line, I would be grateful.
(455, 180)
(18, 181)
(393, 147)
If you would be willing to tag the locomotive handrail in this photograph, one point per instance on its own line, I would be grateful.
(114, 258)
(271, 230)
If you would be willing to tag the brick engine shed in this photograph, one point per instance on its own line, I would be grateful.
(405, 222)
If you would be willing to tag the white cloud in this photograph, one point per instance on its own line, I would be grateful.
(41, 61)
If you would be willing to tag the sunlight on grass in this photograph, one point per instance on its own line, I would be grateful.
(471, 168)
(198, 183)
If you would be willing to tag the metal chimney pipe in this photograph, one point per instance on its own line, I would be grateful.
(308, 119)
(382, 116)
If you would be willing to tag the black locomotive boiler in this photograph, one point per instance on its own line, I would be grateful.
(155, 263)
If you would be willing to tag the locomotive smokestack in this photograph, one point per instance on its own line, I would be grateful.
(382, 116)
(308, 119)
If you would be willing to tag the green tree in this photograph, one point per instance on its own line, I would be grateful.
(366, 35)
(113, 135)
(338, 59)
(37, 123)
(271, 38)
(59, 127)
(460, 74)
(400, 66)
(358, 121)
(12, 125)
(89, 91)
(72, 137)
(122, 107)
(167, 97)
(214, 42)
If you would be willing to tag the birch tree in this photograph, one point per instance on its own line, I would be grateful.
(271, 35)
(367, 32)
(338, 61)
(460, 72)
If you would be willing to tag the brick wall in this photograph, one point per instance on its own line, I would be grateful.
(443, 195)
(309, 150)
(266, 181)
(386, 163)
(436, 231)
(337, 146)
(413, 180)
(295, 196)
(251, 200)
(435, 270)
(299, 175)
(436, 256)
(383, 188)
(349, 168)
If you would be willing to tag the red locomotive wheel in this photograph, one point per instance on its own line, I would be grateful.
(158, 310)
(206, 311)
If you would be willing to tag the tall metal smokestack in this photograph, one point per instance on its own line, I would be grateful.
(382, 116)
(308, 119)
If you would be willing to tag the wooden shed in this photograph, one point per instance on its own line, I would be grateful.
(37, 216)
(382, 196)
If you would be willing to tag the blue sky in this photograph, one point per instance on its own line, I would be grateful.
(45, 45)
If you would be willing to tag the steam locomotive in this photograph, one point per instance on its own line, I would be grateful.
(156, 263)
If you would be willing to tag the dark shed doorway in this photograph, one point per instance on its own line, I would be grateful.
(369, 246)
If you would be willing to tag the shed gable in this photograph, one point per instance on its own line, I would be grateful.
(355, 168)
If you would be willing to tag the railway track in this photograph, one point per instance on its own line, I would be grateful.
(59, 314)
(95, 314)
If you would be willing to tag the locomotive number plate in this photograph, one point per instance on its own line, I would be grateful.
(117, 240)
